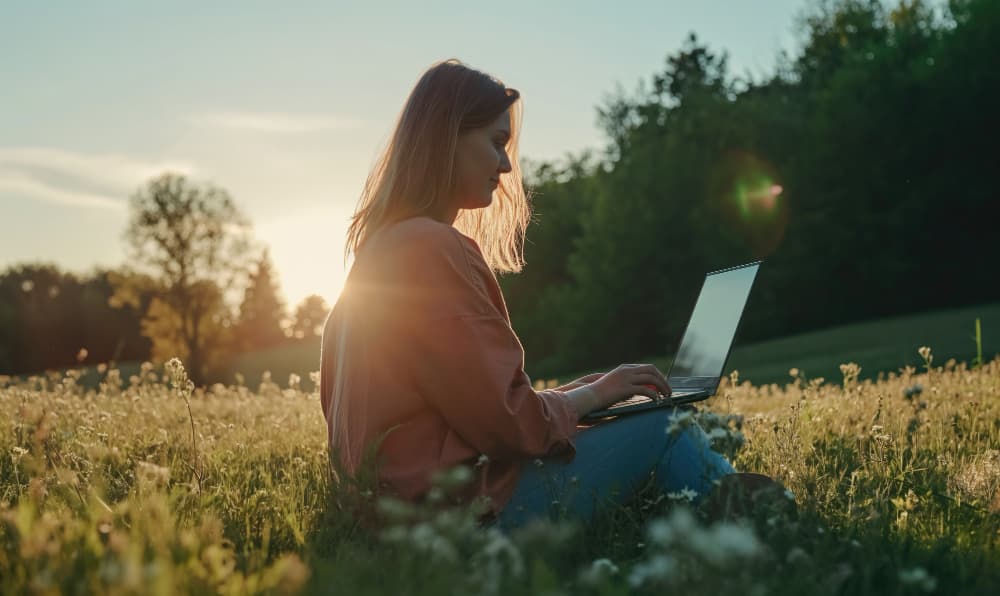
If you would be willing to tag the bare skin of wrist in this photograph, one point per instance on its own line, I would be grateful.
(584, 400)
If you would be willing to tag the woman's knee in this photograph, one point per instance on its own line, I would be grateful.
(690, 462)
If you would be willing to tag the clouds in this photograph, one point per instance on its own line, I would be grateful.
(288, 172)
(20, 186)
(106, 180)
(275, 122)
(84, 180)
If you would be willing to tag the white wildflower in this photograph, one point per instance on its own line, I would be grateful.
(659, 532)
(657, 569)
(500, 547)
(663, 531)
(918, 577)
(395, 509)
(685, 494)
(795, 555)
(599, 571)
(678, 421)
(718, 433)
(726, 542)
(424, 538)
(452, 478)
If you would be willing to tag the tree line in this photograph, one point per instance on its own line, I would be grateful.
(862, 171)
(190, 254)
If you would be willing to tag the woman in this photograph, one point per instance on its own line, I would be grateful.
(418, 352)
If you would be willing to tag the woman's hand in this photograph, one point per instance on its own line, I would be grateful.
(584, 380)
(621, 383)
(628, 380)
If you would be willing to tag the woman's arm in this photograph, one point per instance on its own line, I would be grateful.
(468, 368)
(583, 400)
(464, 358)
(585, 380)
(581, 396)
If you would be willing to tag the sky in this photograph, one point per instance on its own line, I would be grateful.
(285, 105)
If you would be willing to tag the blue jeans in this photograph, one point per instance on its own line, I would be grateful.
(613, 460)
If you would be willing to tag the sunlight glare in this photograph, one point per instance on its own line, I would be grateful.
(307, 252)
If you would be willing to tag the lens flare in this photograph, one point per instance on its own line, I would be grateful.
(755, 199)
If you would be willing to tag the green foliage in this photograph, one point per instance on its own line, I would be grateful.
(978, 361)
(309, 316)
(193, 241)
(864, 164)
(262, 312)
(47, 316)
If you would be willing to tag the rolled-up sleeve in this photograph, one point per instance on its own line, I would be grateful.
(468, 363)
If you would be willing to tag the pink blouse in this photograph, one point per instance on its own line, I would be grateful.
(430, 359)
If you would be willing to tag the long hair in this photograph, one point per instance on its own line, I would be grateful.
(415, 173)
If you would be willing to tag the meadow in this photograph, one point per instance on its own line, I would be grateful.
(881, 345)
(151, 487)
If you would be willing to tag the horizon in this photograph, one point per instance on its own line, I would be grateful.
(251, 103)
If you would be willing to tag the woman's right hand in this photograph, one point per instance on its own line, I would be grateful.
(628, 380)
(621, 383)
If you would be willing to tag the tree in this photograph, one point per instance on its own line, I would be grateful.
(166, 327)
(193, 241)
(861, 171)
(309, 317)
(38, 317)
(649, 206)
(8, 318)
(48, 316)
(262, 311)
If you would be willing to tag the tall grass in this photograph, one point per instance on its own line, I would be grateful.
(157, 488)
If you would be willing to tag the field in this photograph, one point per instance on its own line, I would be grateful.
(879, 346)
(152, 488)
(883, 345)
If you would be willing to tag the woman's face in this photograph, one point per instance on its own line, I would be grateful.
(480, 159)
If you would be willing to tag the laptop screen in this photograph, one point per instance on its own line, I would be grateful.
(712, 328)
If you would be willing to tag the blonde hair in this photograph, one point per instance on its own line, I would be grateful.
(414, 174)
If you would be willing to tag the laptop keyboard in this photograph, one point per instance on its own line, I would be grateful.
(641, 399)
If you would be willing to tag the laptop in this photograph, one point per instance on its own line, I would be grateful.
(705, 345)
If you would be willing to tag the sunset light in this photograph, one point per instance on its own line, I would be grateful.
(528, 298)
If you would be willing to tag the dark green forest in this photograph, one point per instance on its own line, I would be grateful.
(862, 171)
